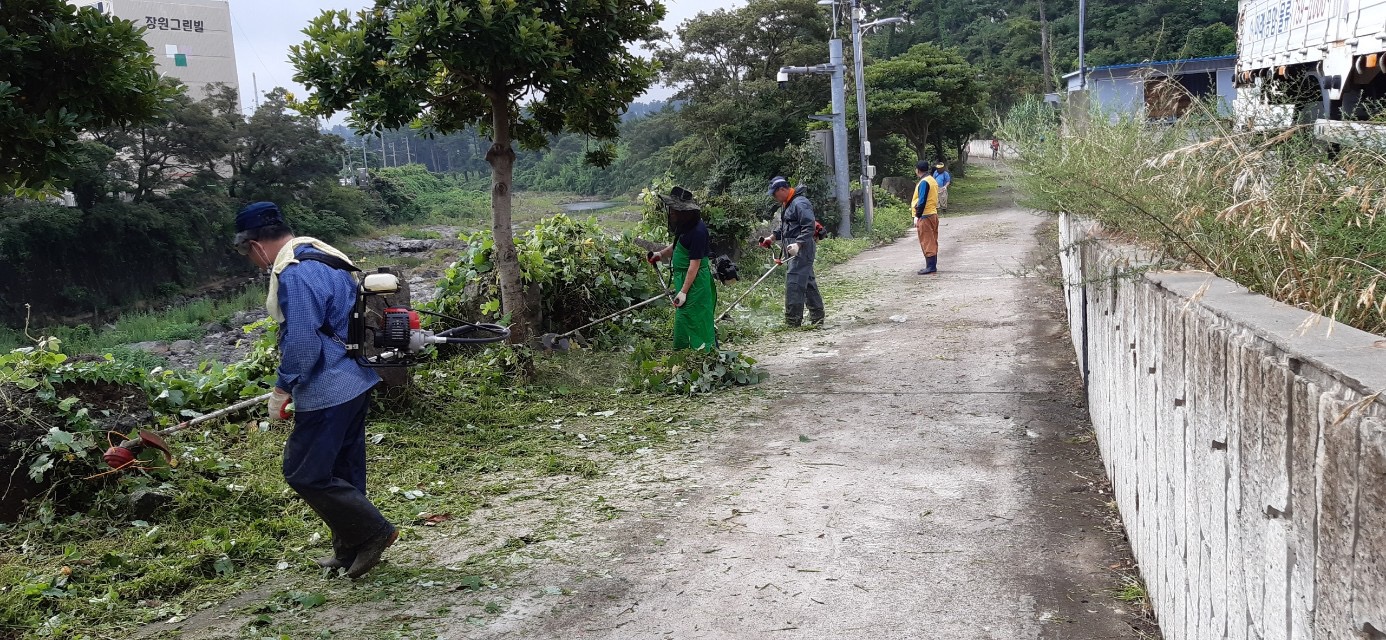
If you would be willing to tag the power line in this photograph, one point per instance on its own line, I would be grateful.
(256, 52)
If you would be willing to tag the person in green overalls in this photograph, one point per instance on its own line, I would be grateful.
(696, 299)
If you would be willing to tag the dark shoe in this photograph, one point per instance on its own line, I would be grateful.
(816, 316)
(369, 554)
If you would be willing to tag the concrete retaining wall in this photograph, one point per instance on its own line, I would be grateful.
(1246, 448)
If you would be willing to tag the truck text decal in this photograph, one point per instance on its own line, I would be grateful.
(1278, 16)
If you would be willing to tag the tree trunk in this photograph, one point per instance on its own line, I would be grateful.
(920, 149)
(959, 168)
(501, 157)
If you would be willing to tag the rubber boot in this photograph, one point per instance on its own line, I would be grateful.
(816, 315)
(931, 263)
(793, 315)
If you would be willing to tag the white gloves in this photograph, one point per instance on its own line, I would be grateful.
(680, 298)
(278, 404)
(792, 250)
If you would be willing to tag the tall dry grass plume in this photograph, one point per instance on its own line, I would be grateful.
(1280, 212)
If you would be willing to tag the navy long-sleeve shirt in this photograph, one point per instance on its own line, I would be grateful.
(314, 367)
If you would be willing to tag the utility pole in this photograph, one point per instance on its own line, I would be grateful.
(1082, 68)
(382, 150)
(833, 68)
(408, 155)
(255, 86)
(868, 205)
(844, 184)
(867, 210)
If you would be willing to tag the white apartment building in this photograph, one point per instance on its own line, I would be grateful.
(190, 39)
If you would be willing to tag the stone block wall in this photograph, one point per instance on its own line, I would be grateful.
(1246, 444)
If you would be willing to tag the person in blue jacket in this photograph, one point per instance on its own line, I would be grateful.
(943, 178)
(311, 296)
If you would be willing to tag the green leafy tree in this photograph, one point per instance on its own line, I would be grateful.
(280, 149)
(926, 94)
(1213, 40)
(63, 71)
(738, 121)
(154, 154)
(518, 70)
(89, 176)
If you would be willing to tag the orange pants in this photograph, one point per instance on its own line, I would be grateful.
(927, 228)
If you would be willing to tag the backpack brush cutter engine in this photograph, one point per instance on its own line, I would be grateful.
(397, 339)
(396, 336)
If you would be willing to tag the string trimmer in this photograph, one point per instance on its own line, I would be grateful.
(560, 341)
(778, 259)
(126, 454)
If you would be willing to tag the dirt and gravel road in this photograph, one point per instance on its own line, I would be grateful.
(920, 468)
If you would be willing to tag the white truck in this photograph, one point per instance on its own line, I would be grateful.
(1311, 61)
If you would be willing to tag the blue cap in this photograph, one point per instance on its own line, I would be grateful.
(258, 214)
(778, 182)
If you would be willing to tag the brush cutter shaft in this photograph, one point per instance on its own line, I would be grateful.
(753, 286)
(139, 442)
(217, 414)
(618, 313)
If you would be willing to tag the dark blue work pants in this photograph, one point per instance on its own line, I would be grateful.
(325, 462)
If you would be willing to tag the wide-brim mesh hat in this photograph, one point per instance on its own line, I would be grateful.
(679, 199)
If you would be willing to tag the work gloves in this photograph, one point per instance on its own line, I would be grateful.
(792, 250)
(279, 404)
(767, 241)
(651, 257)
(680, 298)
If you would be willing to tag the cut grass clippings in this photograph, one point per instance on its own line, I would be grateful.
(231, 524)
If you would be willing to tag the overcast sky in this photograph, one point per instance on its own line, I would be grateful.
(264, 30)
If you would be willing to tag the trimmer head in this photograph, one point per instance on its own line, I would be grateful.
(126, 453)
(119, 457)
(551, 342)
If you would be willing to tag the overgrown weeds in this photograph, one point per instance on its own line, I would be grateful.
(1276, 211)
(468, 431)
(183, 322)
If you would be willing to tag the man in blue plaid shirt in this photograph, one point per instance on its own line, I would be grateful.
(311, 295)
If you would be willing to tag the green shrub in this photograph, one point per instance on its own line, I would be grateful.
(582, 271)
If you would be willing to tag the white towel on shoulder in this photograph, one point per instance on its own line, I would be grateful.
(282, 262)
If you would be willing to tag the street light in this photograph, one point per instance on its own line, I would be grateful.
(868, 172)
